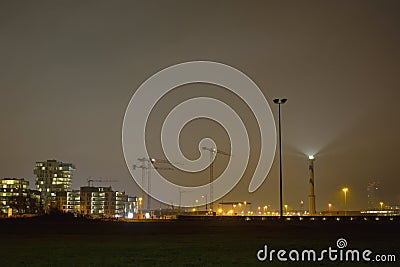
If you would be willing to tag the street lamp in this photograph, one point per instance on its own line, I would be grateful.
(195, 203)
(205, 196)
(329, 207)
(286, 209)
(345, 200)
(381, 203)
(279, 102)
(140, 204)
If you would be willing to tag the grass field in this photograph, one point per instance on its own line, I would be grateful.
(59, 242)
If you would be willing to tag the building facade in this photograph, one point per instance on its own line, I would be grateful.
(53, 180)
(98, 202)
(16, 198)
(74, 201)
(120, 201)
(131, 207)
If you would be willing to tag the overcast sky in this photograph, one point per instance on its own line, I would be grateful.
(69, 68)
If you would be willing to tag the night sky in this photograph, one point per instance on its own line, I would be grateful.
(69, 68)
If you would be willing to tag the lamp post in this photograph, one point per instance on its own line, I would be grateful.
(140, 205)
(197, 210)
(329, 208)
(286, 209)
(205, 196)
(301, 207)
(279, 102)
(345, 200)
(381, 203)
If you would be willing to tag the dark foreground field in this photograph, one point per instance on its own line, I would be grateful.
(59, 242)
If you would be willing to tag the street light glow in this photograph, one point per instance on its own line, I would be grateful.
(345, 200)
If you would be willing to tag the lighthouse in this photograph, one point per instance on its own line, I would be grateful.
(311, 197)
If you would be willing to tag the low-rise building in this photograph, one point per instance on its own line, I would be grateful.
(100, 202)
(120, 202)
(131, 207)
(16, 198)
(97, 202)
(74, 201)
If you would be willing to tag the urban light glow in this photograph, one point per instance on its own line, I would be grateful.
(345, 190)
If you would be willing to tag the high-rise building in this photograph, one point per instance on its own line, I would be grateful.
(16, 198)
(373, 195)
(53, 179)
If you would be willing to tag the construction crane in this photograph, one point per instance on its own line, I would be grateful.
(90, 181)
(148, 164)
(213, 153)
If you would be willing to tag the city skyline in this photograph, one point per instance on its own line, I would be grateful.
(70, 70)
(302, 205)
